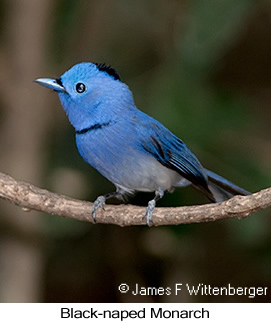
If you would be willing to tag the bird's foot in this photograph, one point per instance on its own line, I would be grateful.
(98, 204)
(149, 210)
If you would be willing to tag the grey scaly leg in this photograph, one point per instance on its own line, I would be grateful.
(100, 202)
(151, 205)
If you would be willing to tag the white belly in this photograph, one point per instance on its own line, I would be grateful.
(150, 175)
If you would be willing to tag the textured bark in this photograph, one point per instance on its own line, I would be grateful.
(30, 197)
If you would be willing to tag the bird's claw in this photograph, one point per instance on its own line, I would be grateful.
(149, 210)
(98, 204)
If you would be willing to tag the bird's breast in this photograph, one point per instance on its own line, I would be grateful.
(123, 163)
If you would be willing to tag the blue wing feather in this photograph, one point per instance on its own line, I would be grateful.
(172, 152)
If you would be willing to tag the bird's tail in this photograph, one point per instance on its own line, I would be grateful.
(221, 188)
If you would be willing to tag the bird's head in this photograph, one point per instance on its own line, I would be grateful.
(89, 90)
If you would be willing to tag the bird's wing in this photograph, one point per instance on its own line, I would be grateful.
(171, 152)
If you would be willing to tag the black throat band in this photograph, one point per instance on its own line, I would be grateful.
(95, 126)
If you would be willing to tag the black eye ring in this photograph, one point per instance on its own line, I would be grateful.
(80, 87)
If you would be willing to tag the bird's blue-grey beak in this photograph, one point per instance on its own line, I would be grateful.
(54, 84)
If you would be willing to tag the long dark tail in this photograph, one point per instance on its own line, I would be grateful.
(221, 188)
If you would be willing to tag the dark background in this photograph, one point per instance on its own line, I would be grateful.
(203, 68)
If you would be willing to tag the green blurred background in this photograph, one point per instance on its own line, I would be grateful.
(203, 68)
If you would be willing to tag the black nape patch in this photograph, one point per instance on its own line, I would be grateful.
(109, 70)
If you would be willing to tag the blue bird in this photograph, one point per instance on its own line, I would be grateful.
(128, 147)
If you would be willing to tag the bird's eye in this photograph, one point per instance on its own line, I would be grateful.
(80, 87)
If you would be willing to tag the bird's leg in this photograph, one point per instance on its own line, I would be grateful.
(151, 205)
(100, 202)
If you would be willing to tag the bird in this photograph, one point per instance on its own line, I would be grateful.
(131, 149)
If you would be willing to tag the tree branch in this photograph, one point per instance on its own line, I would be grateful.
(30, 197)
